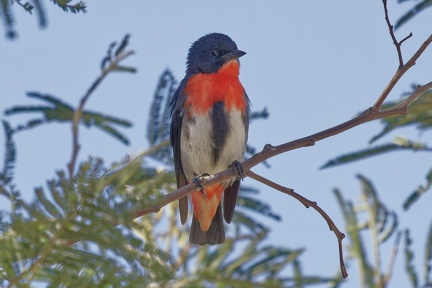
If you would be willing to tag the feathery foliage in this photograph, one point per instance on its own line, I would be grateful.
(379, 221)
(59, 111)
(81, 230)
(6, 175)
(382, 225)
(94, 209)
(6, 7)
(412, 12)
(409, 257)
(74, 8)
(420, 117)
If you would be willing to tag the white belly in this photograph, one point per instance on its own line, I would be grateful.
(197, 145)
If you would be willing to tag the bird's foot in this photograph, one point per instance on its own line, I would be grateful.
(238, 169)
(200, 180)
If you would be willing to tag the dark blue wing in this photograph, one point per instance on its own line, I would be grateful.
(231, 192)
(176, 106)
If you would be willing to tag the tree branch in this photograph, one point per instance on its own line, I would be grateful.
(397, 43)
(400, 72)
(270, 151)
(308, 203)
(78, 112)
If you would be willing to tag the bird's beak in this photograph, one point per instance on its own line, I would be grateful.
(235, 54)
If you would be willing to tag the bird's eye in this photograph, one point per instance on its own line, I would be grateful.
(214, 53)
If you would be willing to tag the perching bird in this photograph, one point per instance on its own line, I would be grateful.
(209, 130)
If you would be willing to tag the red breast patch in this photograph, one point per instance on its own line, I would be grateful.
(203, 90)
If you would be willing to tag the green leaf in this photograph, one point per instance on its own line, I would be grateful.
(374, 151)
(409, 258)
(59, 111)
(6, 175)
(264, 114)
(356, 246)
(8, 19)
(419, 114)
(64, 5)
(417, 193)
(412, 12)
(111, 56)
(158, 127)
(38, 242)
(257, 206)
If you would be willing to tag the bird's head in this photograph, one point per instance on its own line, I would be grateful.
(209, 53)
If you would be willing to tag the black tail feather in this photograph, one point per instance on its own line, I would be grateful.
(230, 200)
(214, 235)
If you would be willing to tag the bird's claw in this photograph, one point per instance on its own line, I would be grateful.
(238, 169)
(199, 181)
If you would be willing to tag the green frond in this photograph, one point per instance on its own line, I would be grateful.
(8, 19)
(40, 12)
(65, 6)
(114, 133)
(82, 210)
(356, 246)
(300, 280)
(122, 46)
(412, 12)
(158, 127)
(409, 258)
(59, 111)
(92, 118)
(271, 261)
(243, 220)
(419, 115)
(248, 190)
(263, 114)
(385, 222)
(6, 175)
(26, 6)
(232, 264)
(417, 193)
(399, 145)
(386, 233)
(111, 56)
(257, 206)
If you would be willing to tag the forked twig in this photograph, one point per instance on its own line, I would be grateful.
(397, 43)
(269, 151)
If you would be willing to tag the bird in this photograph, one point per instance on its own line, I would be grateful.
(209, 130)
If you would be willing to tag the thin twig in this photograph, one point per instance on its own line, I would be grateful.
(308, 203)
(269, 151)
(397, 43)
(78, 112)
(406, 38)
(400, 72)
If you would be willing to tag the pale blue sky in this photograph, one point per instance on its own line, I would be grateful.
(314, 64)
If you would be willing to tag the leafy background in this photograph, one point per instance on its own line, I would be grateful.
(313, 65)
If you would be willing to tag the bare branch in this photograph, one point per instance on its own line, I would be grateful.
(269, 151)
(308, 203)
(397, 43)
(78, 112)
(406, 38)
(400, 72)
